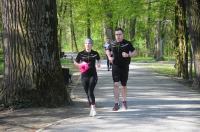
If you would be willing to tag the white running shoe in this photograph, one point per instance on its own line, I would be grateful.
(93, 110)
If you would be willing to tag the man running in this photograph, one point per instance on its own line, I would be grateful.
(122, 51)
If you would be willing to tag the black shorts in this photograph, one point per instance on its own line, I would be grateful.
(120, 73)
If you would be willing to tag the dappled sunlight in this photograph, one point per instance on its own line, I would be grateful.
(154, 102)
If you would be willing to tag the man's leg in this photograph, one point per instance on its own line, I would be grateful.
(124, 78)
(115, 75)
(116, 92)
(124, 93)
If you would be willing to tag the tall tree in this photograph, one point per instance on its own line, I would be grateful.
(33, 71)
(147, 35)
(72, 28)
(181, 40)
(108, 24)
(193, 8)
(61, 13)
(132, 28)
(163, 23)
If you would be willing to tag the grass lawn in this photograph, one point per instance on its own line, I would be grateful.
(165, 69)
(161, 67)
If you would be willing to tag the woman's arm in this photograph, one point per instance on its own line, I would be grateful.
(76, 64)
(98, 65)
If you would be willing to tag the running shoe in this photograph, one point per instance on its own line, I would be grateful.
(116, 107)
(124, 105)
(93, 110)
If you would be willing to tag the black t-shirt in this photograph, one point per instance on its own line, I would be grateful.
(90, 58)
(117, 48)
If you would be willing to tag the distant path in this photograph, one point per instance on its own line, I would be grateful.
(155, 104)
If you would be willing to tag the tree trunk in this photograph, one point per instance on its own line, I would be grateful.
(33, 71)
(193, 7)
(159, 44)
(147, 35)
(73, 35)
(108, 27)
(191, 63)
(60, 40)
(108, 24)
(132, 28)
(181, 40)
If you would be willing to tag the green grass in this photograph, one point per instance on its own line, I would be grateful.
(164, 69)
(143, 59)
(150, 59)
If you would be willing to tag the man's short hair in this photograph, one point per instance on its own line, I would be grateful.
(119, 29)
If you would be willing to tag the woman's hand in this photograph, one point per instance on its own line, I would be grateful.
(98, 65)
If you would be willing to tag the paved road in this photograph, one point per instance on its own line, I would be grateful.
(155, 104)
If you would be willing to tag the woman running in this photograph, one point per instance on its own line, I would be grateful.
(86, 62)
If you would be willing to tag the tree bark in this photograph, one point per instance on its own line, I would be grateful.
(181, 40)
(193, 8)
(33, 73)
(147, 35)
(159, 44)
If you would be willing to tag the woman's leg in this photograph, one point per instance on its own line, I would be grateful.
(92, 84)
(85, 83)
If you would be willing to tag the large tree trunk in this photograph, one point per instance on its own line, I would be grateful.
(181, 40)
(193, 7)
(33, 71)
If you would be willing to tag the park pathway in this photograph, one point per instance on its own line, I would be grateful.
(155, 104)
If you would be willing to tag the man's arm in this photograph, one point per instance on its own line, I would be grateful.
(132, 54)
(110, 58)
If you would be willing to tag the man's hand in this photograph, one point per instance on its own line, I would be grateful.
(125, 55)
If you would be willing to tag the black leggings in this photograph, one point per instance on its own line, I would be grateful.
(89, 83)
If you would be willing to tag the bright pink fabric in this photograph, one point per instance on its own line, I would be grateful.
(83, 67)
